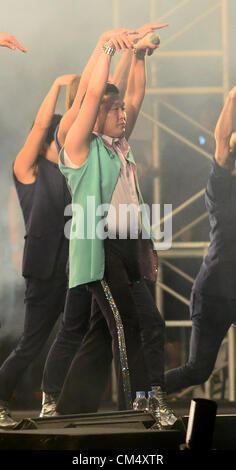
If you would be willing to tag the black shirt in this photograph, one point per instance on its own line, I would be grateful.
(217, 275)
(43, 203)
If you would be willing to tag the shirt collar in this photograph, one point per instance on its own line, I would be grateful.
(109, 141)
(112, 142)
(124, 147)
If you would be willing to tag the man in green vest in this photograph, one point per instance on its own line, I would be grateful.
(108, 250)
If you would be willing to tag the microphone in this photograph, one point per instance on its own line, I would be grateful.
(152, 37)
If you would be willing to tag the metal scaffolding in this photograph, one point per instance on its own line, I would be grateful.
(197, 249)
(178, 249)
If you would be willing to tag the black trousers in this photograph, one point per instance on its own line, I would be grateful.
(211, 318)
(73, 327)
(144, 336)
(44, 302)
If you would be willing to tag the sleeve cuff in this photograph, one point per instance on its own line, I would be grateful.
(220, 170)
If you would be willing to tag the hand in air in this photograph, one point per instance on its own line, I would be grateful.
(65, 80)
(114, 32)
(121, 40)
(146, 29)
(8, 40)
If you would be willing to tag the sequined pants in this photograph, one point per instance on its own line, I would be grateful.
(144, 330)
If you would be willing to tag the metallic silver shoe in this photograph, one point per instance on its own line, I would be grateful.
(48, 406)
(6, 421)
(157, 426)
(167, 416)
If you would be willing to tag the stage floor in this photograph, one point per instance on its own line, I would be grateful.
(181, 407)
(112, 431)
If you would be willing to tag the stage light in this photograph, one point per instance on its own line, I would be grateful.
(201, 140)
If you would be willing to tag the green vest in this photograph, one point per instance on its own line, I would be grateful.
(92, 185)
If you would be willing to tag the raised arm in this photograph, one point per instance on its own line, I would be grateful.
(121, 74)
(70, 116)
(77, 141)
(8, 40)
(25, 162)
(224, 129)
(137, 76)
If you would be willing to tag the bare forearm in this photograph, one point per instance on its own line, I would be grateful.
(121, 74)
(224, 129)
(99, 77)
(47, 107)
(224, 126)
(27, 157)
(137, 80)
(70, 116)
(85, 77)
(121, 69)
(78, 136)
(135, 93)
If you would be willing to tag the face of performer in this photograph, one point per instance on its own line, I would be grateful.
(111, 118)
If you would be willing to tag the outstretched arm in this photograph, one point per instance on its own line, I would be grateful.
(224, 129)
(8, 40)
(77, 141)
(24, 166)
(137, 77)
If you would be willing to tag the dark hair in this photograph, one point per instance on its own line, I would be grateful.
(54, 123)
(111, 88)
(51, 130)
